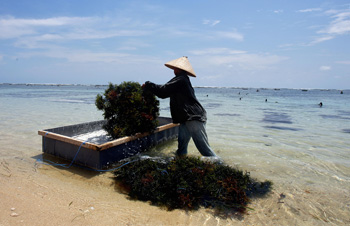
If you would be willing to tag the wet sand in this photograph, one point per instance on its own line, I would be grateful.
(45, 195)
(32, 193)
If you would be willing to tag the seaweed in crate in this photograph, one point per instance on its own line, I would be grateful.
(188, 183)
(128, 109)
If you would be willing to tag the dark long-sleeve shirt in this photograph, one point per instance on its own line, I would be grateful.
(184, 105)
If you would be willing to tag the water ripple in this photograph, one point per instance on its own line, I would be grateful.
(282, 128)
(275, 117)
(334, 117)
(227, 114)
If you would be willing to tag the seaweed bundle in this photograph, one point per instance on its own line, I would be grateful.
(128, 109)
(188, 183)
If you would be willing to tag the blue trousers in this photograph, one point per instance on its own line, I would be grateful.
(196, 130)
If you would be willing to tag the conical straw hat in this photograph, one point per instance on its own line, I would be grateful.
(181, 63)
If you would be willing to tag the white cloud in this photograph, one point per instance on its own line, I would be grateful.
(215, 22)
(249, 61)
(230, 34)
(44, 40)
(66, 28)
(218, 57)
(211, 22)
(87, 56)
(338, 28)
(212, 51)
(14, 27)
(56, 37)
(198, 34)
(340, 25)
(321, 39)
(288, 45)
(131, 44)
(55, 21)
(278, 11)
(90, 34)
(62, 31)
(309, 10)
(8, 32)
(325, 68)
(343, 62)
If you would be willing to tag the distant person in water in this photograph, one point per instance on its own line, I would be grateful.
(184, 107)
(320, 104)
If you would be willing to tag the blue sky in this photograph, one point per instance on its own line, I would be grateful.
(284, 44)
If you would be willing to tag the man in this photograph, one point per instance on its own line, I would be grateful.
(184, 107)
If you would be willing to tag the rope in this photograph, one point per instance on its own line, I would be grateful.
(76, 154)
(57, 164)
(107, 170)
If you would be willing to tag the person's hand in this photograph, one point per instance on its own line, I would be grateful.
(144, 86)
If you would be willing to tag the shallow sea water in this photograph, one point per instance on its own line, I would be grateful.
(281, 135)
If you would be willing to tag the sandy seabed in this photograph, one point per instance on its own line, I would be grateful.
(32, 193)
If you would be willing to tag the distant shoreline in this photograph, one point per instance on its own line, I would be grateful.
(199, 87)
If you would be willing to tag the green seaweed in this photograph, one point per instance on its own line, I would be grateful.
(188, 183)
(128, 109)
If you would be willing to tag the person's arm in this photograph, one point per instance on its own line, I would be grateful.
(166, 90)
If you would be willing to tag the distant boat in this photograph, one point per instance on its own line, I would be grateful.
(305, 90)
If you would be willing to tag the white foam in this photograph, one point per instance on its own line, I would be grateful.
(96, 137)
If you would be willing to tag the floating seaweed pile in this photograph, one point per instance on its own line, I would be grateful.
(128, 109)
(189, 183)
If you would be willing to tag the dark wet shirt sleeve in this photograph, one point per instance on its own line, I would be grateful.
(166, 90)
(184, 105)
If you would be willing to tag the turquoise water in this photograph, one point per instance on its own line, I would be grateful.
(281, 135)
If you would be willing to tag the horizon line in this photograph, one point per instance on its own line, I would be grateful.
(227, 87)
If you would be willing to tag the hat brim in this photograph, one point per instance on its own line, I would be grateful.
(174, 67)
